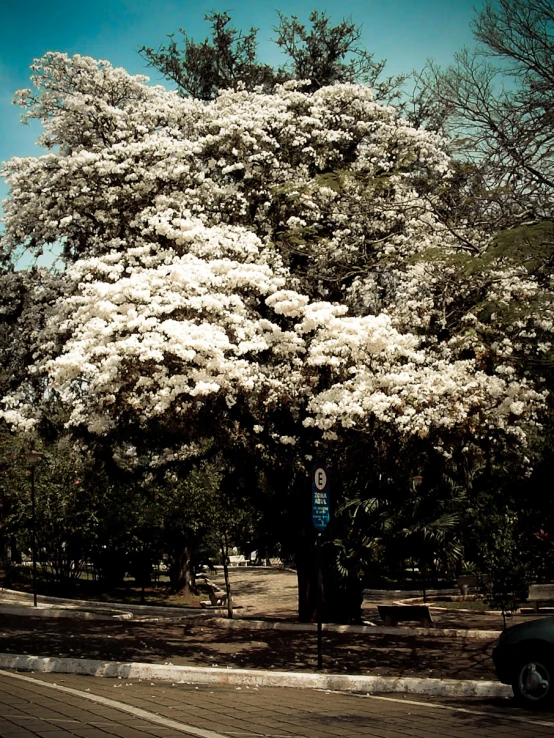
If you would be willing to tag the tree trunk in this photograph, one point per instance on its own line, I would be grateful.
(342, 597)
(15, 551)
(225, 558)
(4, 551)
(306, 571)
(181, 575)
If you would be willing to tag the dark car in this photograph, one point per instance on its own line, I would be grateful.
(524, 658)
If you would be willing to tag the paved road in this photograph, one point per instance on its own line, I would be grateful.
(64, 706)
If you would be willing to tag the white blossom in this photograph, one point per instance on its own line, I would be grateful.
(271, 249)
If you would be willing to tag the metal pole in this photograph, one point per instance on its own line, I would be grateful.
(33, 509)
(319, 604)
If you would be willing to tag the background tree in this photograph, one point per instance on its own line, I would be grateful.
(502, 561)
(321, 53)
(499, 123)
(225, 60)
(13, 484)
(66, 515)
(186, 501)
(499, 112)
(282, 290)
(328, 55)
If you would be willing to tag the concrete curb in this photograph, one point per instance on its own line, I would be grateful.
(244, 623)
(12, 597)
(485, 635)
(255, 678)
(58, 612)
(120, 611)
(106, 613)
(419, 600)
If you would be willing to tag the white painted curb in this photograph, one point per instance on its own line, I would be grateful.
(485, 635)
(255, 678)
(23, 599)
(56, 612)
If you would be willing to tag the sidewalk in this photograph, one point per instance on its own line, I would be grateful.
(47, 705)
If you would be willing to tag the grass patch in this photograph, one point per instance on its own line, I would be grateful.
(474, 605)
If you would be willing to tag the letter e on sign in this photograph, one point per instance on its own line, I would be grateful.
(320, 478)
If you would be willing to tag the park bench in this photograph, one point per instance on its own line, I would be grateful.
(540, 594)
(393, 614)
(238, 560)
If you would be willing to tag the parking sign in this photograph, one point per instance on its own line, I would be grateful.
(320, 497)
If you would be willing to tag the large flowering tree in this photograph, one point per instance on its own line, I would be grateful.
(266, 270)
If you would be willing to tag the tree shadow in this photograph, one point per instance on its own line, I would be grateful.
(201, 644)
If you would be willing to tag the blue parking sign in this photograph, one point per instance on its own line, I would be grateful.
(320, 497)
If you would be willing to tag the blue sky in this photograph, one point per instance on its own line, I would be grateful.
(405, 32)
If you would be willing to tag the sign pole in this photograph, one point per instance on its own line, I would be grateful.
(319, 605)
(320, 519)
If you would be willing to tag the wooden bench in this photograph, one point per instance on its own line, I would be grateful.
(391, 615)
(540, 594)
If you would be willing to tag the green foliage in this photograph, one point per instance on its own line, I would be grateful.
(225, 60)
(184, 505)
(65, 510)
(531, 245)
(496, 539)
(26, 298)
(13, 486)
(66, 515)
(327, 55)
(321, 53)
(505, 578)
(384, 525)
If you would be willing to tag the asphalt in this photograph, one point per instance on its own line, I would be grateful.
(17, 603)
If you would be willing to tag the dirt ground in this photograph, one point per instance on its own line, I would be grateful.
(269, 594)
(202, 644)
